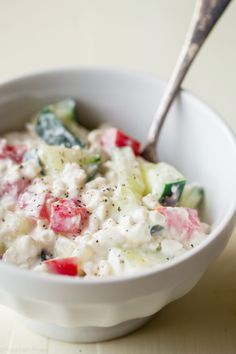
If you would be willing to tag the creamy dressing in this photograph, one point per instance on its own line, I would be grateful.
(115, 239)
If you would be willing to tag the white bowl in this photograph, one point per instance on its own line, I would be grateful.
(194, 139)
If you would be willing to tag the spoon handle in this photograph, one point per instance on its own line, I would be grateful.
(206, 14)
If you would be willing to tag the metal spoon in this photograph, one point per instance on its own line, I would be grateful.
(205, 16)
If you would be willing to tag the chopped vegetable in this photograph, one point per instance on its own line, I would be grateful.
(62, 266)
(163, 181)
(181, 219)
(13, 152)
(56, 124)
(35, 205)
(54, 159)
(113, 138)
(135, 258)
(45, 255)
(192, 196)
(155, 230)
(130, 181)
(53, 132)
(64, 110)
(13, 189)
(68, 216)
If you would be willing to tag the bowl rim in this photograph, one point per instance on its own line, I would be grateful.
(109, 280)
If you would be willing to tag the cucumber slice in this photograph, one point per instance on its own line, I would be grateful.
(134, 259)
(172, 192)
(192, 196)
(54, 159)
(130, 182)
(53, 132)
(137, 257)
(65, 110)
(156, 230)
(56, 124)
(163, 181)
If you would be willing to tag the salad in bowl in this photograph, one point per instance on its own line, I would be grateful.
(85, 203)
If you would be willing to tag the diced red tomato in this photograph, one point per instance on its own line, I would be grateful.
(113, 137)
(181, 219)
(62, 266)
(35, 205)
(13, 188)
(13, 152)
(68, 216)
(44, 212)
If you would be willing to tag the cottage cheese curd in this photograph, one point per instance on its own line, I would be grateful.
(82, 203)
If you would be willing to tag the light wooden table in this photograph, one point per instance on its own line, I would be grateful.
(145, 36)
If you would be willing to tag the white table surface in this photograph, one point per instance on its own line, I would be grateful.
(145, 36)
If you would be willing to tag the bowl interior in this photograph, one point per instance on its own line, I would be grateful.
(193, 139)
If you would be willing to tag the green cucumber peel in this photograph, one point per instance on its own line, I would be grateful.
(53, 132)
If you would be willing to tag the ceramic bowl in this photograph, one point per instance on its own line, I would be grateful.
(194, 139)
